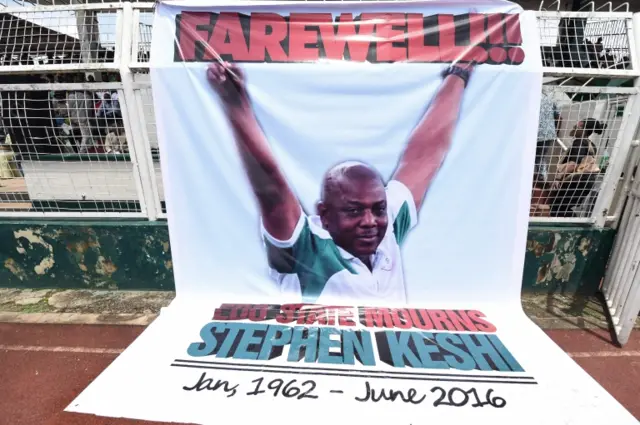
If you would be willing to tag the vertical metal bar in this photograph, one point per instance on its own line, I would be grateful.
(618, 160)
(617, 256)
(634, 157)
(625, 238)
(630, 311)
(135, 40)
(618, 270)
(633, 52)
(147, 149)
(624, 282)
(625, 285)
(125, 109)
(137, 145)
(117, 54)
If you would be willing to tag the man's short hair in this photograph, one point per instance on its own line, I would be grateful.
(347, 170)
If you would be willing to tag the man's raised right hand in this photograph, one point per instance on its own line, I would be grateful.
(228, 81)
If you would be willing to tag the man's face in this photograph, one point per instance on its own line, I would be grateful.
(356, 215)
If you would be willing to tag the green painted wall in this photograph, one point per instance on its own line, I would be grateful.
(136, 255)
(126, 255)
(566, 259)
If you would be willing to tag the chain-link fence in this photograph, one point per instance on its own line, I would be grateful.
(581, 143)
(79, 135)
(587, 43)
(65, 151)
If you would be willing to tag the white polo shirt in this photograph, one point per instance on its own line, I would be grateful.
(310, 267)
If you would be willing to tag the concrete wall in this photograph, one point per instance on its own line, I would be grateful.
(136, 255)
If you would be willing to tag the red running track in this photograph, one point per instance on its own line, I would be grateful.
(37, 383)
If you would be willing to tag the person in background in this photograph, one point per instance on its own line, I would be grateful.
(582, 144)
(81, 112)
(548, 128)
(106, 112)
(116, 142)
(577, 171)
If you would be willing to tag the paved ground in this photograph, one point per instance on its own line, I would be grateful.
(549, 311)
(50, 352)
(44, 366)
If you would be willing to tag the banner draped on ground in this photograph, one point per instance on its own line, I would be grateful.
(348, 191)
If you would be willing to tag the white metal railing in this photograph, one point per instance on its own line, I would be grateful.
(584, 200)
(621, 288)
(109, 43)
(588, 43)
(144, 102)
(76, 37)
(622, 282)
(50, 166)
(141, 45)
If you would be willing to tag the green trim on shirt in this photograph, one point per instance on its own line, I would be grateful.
(312, 258)
(402, 223)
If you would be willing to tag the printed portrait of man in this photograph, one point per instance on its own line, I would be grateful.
(351, 248)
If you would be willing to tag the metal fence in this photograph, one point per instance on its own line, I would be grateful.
(64, 158)
(77, 107)
(586, 121)
(622, 282)
(587, 43)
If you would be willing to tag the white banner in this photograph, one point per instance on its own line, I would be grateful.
(348, 191)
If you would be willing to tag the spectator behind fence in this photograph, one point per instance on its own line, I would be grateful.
(548, 125)
(81, 113)
(582, 133)
(107, 111)
(577, 172)
(27, 117)
(116, 142)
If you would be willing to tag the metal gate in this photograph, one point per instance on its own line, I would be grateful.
(622, 281)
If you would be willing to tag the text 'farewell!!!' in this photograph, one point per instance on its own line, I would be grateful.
(373, 37)
(236, 332)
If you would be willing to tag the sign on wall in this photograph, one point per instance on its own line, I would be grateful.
(348, 192)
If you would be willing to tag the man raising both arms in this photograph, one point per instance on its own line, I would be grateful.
(350, 251)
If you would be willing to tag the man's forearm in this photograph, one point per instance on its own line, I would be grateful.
(279, 208)
(252, 142)
(432, 137)
(278, 205)
(429, 143)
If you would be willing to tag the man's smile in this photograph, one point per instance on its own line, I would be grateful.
(369, 237)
